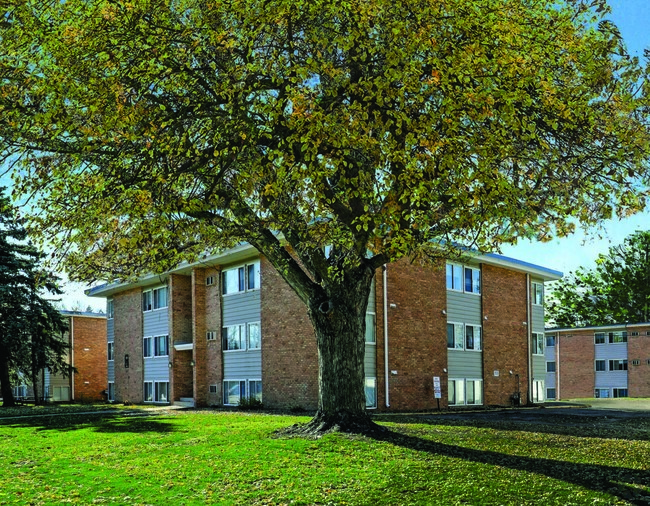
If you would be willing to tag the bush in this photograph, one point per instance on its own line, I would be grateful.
(250, 403)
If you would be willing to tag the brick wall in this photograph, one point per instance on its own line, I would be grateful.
(90, 358)
(417, 339)
(128, 340)
(180, 331)
(289, 353)
(577, 371)
(638, 376)
(505, 337)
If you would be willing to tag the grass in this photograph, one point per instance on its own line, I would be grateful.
(210, 457)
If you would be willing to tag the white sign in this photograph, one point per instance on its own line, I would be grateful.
(436, 387)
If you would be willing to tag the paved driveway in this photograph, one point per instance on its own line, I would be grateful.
(625, 404)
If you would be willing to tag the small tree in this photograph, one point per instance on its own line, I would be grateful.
(617, 290)
(158, 132)
(31, 328)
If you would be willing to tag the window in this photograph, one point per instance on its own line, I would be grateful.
(161, 391)
(618, 365)
(538, 343)
(474, 391)
(619, 392)
(147, 301)
(599, 338)
(148, 391)
(601, 365)
(454, 277)
(550, 366)
(538, 294)
(371, 392)
(209, 281)
(456, 389)
(233, 391)
(211, 335)
(371, 328)
(538, 391)
(146, 347)
(601, 393)
(254, 336)
(161, 346)
(472, 337)
(240, 279)
(550, 340)
(255, 389)
(634, 334)
(550, 393)
(472, 280)
(110, 309)
(455, 336)
(233, 338)
(160, 298)
(463, 279)
(111, 351)
(212, 389)
(617, 337)
(111, 391)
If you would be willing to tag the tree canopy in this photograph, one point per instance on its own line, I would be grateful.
(31, 328)
(616, 290)
(154, 132)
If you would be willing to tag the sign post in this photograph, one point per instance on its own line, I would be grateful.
(437, 392)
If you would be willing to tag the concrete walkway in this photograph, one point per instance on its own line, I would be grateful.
(624, 404)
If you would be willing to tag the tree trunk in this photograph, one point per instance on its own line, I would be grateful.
(339, 323)
(8, 400)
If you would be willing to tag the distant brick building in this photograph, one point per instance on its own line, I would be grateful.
(88, 353)
(606, 361)
(230, 327)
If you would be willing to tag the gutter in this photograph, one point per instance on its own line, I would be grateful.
(385, 289)
(72, 357)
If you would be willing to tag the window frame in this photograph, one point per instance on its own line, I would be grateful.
(474, 337)
(110, 351)
(226, 390)
(147, 347)
(110, 392)
(598, 393)
(552, 337)
(152, 300)
(242, 338)
(110, 309)
(156, 351)
(144, 391)
(243, 278)
(537, 339)
(622, 362)
(248, 388)
(366, 380)
(611, 336)
(537, 290)
(597, 337)
(548, 395)
(211, 335)
(373, 326)
(553, 367)
(157, 391)
(156, 298)
(248, 335)
(616, 392)
(456, 272)
(603, 366)
(213, 389)
(457, 339)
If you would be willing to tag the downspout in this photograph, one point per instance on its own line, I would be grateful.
(557, 368)
(530, 337)
(385, 289)
(72, 357)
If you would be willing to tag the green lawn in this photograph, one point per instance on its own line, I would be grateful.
(176, 458)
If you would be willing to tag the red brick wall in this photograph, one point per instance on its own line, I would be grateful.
(206, 309)
(577, 370)
(638, 376)
(180, 330)
(505, 338)
(416, 335)
(289, 353)
(90, 357)
(128, 340)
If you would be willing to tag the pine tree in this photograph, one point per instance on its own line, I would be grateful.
(30, 326)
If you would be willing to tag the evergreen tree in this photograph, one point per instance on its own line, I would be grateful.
(30, 326)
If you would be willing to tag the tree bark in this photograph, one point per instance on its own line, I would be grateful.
(8, 400)
(339, 322)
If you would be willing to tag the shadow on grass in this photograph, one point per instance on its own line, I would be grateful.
(624, 483)
(603, 424)
(97, 422)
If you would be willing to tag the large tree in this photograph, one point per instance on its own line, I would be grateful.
(154, 132)
(31, 328)
(616, 290)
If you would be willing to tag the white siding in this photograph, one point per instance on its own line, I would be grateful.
(611, 351)
(156, 369)
(110, 333)
(463, 307)
(370, 361)
(155, 323)
(242, 364)
(539, 367)
(241, 308)
(465, 364)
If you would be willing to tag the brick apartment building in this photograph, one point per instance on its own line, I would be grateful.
(86, 337)
(608, 361)
(230, 327)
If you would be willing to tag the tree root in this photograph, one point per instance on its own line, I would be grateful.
(342, 422)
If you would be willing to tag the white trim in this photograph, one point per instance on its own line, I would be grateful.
(183, 346)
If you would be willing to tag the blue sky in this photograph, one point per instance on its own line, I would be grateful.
(633, 20)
